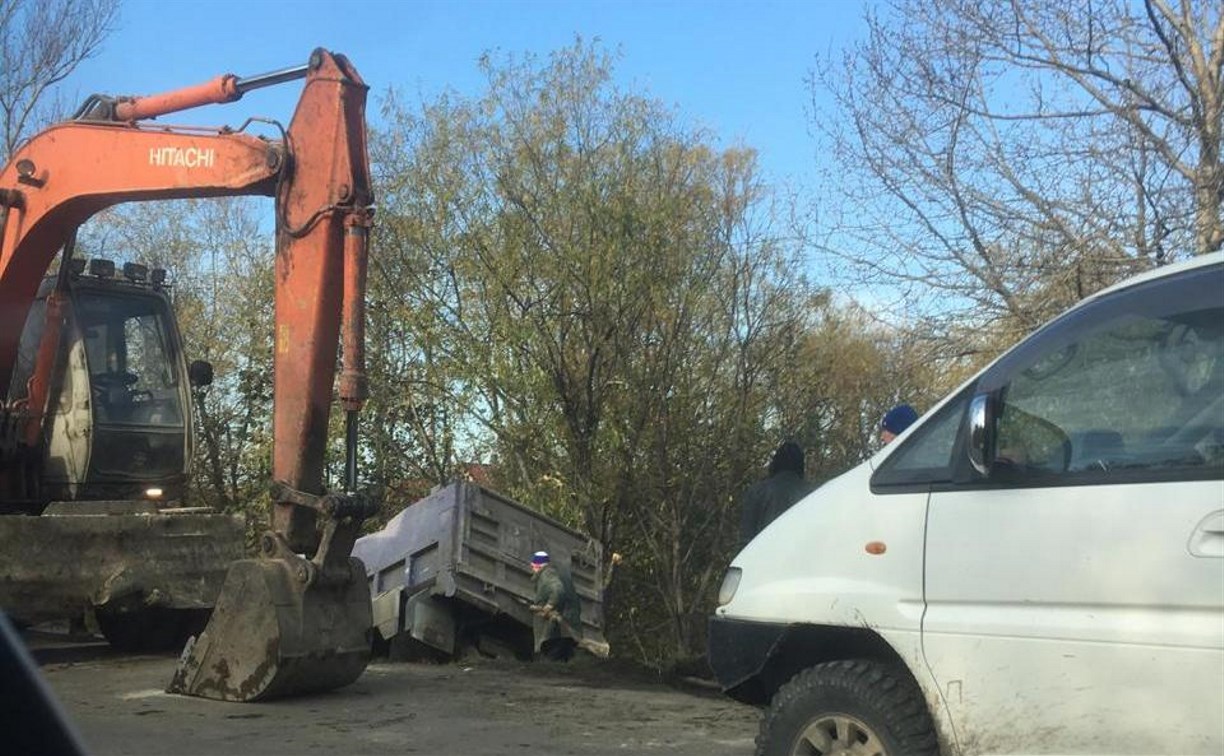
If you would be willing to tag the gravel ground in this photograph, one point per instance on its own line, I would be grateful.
(474, 707)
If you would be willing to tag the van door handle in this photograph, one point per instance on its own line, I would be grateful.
(1207, 540)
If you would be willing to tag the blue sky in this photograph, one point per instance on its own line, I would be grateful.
(736, 68)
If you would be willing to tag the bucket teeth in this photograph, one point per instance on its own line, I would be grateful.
(273, 634)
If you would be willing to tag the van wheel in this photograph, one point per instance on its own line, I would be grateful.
(855, 706)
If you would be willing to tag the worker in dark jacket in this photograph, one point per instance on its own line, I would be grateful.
(765, 500)
(556, 602)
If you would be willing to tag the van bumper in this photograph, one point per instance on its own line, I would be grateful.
(738, 651)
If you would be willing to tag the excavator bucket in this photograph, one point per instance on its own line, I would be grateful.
(280, 628)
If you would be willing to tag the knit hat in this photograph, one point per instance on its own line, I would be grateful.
(898, 419)
(789, 456)
(540, 557)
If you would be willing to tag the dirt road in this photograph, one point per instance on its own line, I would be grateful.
(479, 707)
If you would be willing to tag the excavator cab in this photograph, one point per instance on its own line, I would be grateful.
(102, 529)
(120, 425)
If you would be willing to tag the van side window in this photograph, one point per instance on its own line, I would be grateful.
(926, 456)
(1132, 391)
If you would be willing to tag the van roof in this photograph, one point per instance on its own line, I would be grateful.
(1198, 261)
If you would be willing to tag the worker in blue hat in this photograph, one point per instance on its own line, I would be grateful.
(896, 420)
(556, 602)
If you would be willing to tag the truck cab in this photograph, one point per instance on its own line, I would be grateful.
(1036, 566)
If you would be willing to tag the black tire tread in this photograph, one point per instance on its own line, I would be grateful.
(902, 714)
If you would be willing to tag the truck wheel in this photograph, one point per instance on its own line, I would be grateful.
(843, 707)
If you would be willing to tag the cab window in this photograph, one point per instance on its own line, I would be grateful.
(927, 455)
(133, 376)
(1130, 388)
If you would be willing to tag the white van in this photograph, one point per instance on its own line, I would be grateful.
(1035, 567)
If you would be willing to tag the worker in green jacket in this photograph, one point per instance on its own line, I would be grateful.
(556, 602)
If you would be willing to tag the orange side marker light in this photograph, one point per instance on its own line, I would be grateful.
(876, 547)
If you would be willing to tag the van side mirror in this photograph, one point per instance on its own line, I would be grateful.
(1022, 444)
(200, 373)
(981, 426)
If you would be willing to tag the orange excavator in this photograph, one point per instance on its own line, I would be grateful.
(295, 619)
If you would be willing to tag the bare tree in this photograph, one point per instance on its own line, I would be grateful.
(41, 43)
(1008, 157)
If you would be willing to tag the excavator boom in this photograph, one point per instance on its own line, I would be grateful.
(296, 618)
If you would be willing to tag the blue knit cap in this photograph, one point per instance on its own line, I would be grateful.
(898, 419)
(540, 557)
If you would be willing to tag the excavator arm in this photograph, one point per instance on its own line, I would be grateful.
(297, 618)
(66, 174)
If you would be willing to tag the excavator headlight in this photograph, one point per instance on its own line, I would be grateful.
(102, 268)
(76, 266)
(154, 493)
(157, 276)
(135, 272)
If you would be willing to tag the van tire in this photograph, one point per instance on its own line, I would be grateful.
(878, 697)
